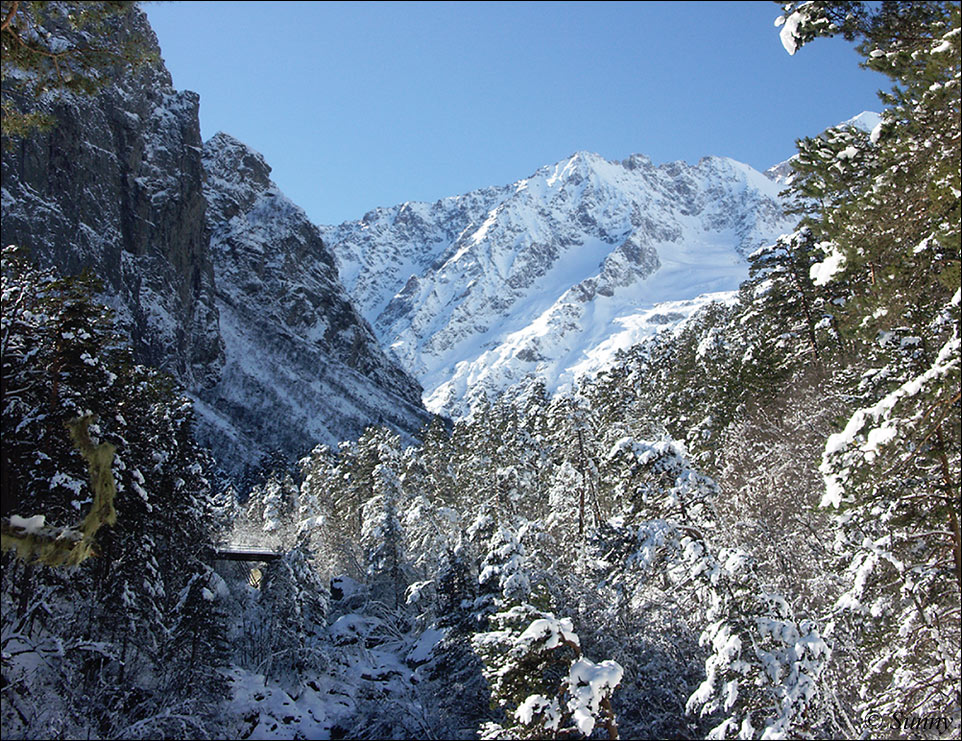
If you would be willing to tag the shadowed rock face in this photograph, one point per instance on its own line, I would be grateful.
(216, 276)
(301, 363)
(117, 187)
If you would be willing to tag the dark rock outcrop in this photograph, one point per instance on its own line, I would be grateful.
(116, 187)
(239, 300)
(301, 363)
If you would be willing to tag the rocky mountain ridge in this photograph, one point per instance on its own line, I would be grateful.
(216, 277)
(300, 364)
(551, 275)
(116, 187)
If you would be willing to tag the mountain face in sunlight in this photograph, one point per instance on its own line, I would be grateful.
(552, 275)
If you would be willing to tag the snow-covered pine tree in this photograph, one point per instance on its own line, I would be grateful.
(780, 301)
(129, 659)
(350, 484)
(573, 439)
(540, 684)
(382, 538)
(295, 601)
(431, 527)
(272, 509)
(889, 227)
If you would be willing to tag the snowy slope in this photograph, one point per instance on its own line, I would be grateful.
(301, 365)
(551, 275)
(866, 121)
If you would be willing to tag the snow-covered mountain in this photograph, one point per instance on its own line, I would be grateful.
(215, 276)
(301, 366)
(866, 121)
(552, 275)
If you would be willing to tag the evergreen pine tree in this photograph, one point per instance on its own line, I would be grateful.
(889, 226)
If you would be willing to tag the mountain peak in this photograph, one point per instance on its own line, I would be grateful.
(299, 360)
(637, 161)
(866, 121)
(552, 274)
(583, 155)
(578, 167)
(231, 160)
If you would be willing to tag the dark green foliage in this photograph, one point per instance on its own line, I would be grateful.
(462, 699)
(889, 207)
(139, 601)
(456, 588)
(887, 222)
(782, 307)
(58, 348)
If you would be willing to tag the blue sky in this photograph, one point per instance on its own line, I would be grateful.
(358, 105)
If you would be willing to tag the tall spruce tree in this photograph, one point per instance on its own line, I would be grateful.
(888, 224)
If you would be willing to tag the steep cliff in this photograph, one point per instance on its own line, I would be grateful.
(214, 274)
(301, 364)
(116, 187)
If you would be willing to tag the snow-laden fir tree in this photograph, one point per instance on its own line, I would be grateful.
(889, 230)
(382, 538)
(121, 650)
(540, 684)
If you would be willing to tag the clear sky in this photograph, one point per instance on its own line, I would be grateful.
(358, 105)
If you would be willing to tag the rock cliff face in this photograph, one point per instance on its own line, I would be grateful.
(301, 364)
(551, 275)
(215, 275)
(117, 187)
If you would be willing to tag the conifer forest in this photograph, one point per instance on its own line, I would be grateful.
(744, 527)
